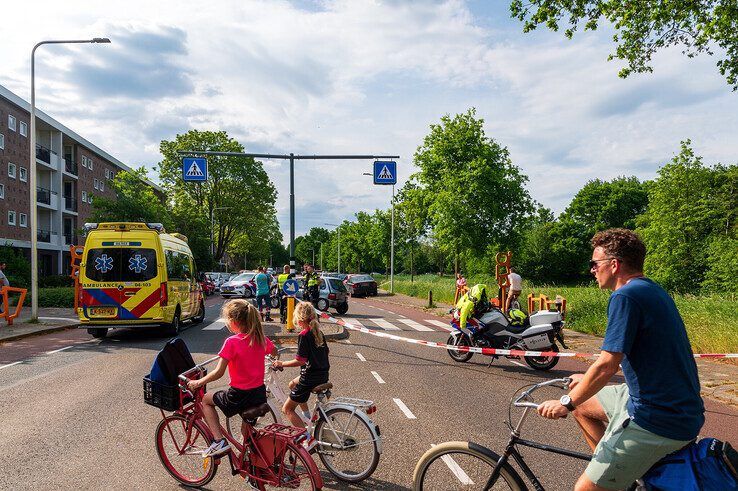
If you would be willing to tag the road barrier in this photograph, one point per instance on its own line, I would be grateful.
(484, 351)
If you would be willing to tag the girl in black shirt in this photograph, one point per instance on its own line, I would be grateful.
(312, 357)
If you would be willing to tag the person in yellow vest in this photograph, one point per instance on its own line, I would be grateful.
(312, 285)
(472, 303)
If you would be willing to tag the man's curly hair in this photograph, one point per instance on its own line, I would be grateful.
(622, 244)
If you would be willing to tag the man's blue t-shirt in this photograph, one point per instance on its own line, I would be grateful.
(262, 284)
(644, 324)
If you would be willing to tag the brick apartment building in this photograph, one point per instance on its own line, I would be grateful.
(70, 171)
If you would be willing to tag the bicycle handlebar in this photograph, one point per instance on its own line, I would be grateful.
(562, 383)
(184, 376)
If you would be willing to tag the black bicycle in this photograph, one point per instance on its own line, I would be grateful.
(467, 465)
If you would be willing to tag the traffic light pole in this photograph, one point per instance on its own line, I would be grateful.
(291, 157)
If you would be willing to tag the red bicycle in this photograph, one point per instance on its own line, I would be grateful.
(268, 457)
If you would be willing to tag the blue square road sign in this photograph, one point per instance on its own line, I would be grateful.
(385, 172)
(194, 169)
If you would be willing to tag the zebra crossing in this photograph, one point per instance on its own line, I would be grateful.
(399, 324)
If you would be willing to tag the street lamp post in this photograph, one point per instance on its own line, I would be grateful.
(212, 227)
(392, 239)
(338, 227)
(32, 169)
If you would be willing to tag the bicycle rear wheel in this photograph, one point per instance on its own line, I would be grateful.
(456, 466)
(295, 472)
(357, 454)
(182, 457)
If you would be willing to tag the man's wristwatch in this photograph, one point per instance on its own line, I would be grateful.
(566, 402)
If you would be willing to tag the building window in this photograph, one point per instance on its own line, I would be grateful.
(11, 170)
(89, 164)
(89, 198)
(23, 220)
(24, 174)
(11, 218)
(2, 141)
(84, 161)
(96, 185)
(2, 191)
(102, 185)
(107, 174)
(112, 175)
(23, 129)
(11, 122)
(84, 196)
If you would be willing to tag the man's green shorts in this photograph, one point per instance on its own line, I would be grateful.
(626, 451)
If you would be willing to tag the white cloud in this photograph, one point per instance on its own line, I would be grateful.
(361, 77)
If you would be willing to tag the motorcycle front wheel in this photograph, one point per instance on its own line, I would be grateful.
(460, 356)
(543, 362)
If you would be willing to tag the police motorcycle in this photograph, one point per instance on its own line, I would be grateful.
(489, 327)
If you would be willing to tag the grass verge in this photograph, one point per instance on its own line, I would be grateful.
(711, 321)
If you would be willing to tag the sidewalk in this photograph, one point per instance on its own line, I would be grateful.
(49, 320)
(719, 378)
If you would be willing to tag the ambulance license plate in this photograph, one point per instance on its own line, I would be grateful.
(103, 311)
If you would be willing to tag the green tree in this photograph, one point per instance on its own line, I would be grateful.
(644, 27)
(134, 202)
(237, 183)
(475, 193)
(600, 205)
(690, 206)
(311, 242)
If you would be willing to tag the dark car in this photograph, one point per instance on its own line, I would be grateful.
(361, 285)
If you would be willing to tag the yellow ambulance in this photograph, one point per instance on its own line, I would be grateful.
(135, 275)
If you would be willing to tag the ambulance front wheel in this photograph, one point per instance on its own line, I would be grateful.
(98, 333)
(172, 329)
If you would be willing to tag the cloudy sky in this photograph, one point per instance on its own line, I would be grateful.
(361, 77)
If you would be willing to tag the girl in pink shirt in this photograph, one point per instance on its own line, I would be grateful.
(243, 354)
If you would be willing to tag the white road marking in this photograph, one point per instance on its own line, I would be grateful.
(58, 350)
(376, 376)
(441, 324)
(216, 325)
(456, 469)
(519, 364)
(360, 357)
(415, 325)
(404, 409)
(384, 324)
(11, 364)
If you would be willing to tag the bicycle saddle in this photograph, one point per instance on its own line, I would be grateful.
(255, 412)
(322, 388)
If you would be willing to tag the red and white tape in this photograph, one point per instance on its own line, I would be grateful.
(485, 351)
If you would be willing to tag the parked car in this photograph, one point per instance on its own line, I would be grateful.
(241, 285)
(207, 285)
(361, 285)
(333, 295)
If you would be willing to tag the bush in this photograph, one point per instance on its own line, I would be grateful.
(55, 281)
(18, 268)
(55, 297)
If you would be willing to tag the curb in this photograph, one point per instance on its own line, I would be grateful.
(39, 332)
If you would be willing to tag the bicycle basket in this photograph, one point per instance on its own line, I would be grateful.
(164, 397)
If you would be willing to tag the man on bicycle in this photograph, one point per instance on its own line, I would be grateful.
(658, 410)
(516, 288)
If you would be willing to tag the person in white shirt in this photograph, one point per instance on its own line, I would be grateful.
(516, 287)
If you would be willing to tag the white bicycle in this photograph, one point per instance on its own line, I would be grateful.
(347, 441)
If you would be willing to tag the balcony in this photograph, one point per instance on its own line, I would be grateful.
(43, 235)
(70, 203)
(47, 156)
(70, 165)
(46, 196)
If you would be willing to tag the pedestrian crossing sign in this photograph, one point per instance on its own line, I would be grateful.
(385, 172)
(194, 169)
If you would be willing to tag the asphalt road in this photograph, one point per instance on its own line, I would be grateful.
(72, 414)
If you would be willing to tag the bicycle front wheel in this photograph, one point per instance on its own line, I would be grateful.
(348, 447)
(295, 470)
(456, 466)
(182, 456)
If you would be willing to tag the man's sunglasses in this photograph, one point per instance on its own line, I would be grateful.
(595, 262)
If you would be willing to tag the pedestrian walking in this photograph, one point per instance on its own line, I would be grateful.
(262, 294)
